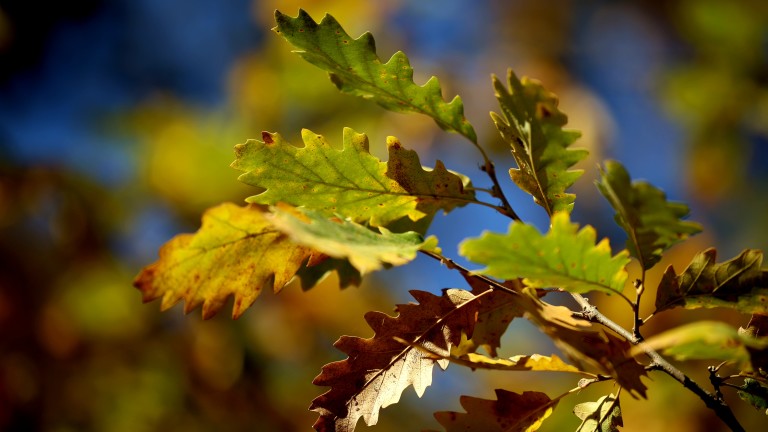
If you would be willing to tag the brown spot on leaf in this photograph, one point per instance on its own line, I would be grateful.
(267, 137)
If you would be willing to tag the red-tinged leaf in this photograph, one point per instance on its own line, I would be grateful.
(380, 368)
(511, 412)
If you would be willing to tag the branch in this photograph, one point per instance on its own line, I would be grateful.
(719, 406)
(590, 312)
(490, 169)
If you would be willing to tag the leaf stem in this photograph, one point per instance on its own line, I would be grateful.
(490, 169)
(638, 322)
(721, 409)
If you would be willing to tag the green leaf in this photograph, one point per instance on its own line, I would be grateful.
(355, 68)
(533, 126)
(322, 266)
(237, 252)
(706, 340)
(739, 283)
(754, 394)
(511, 412)
(365, 249)
(533, 362)
(564, 257)
(350, 181)
(651, 222)
(601, 416)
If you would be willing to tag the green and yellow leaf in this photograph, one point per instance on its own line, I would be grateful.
(380, 368)
(713, 340)
(355, 68)
(510, 412)
(604, 415)
(365, 249)
(652, 223)
(350, 182)
(739, 283)
(754, 394)
(565, 257)
(237, 252)
(532, 125)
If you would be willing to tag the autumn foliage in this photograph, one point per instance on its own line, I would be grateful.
(326, 208)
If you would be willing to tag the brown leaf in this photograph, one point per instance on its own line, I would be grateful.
(380, 368)
(511, 412)
(496, 310)
(586, 345)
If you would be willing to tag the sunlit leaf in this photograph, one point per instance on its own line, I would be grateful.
(355, 68)
(435, 189)
(601, 416)
(350, 181)
(511, 412)
(739, 283)
(365, 249)
(706, 340)
(565, 257)
(535, 362)
(652, 223)
(533, 126)
(236, 252)
(380, 368)
(755, 394)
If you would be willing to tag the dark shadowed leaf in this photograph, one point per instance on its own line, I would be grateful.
(739, 283)
(510, 412)
(652, 223)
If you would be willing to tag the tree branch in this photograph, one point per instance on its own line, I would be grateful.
(717, 405)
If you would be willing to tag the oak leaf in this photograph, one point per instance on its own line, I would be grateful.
(236, 252)
(532, 125)
(510, 412)
(708, 340)
(355, 68)
(534, 362)
(365, 249)
(565, 257)
(379, 368)
(652, 223)
(350, 181)
(739, 283)
(587, 346)
(604, 415)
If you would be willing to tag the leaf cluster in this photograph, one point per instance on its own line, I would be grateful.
(323, 208)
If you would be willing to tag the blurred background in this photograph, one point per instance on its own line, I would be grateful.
(117, 123)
